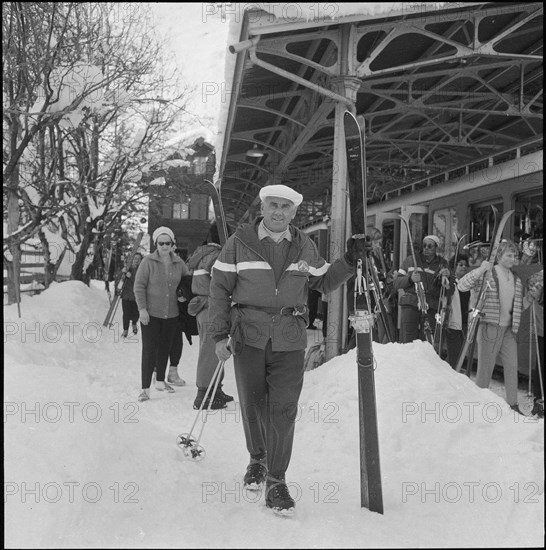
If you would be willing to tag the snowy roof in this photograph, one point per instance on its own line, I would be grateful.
(274, 17)
(433, 85)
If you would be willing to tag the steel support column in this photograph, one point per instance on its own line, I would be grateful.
(346, 86)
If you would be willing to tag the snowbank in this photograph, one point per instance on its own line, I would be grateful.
(86, 465)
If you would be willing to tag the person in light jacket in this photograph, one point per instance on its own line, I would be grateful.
(457, 316)
(501, 315)
(156, 281)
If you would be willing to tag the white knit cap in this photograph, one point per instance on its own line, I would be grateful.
(433, 238)
(163, 231)
(281, 191)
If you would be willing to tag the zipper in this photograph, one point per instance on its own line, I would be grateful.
(246, 245)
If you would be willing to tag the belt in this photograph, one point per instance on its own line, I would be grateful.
(286, 310)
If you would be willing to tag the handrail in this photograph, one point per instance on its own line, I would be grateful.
(437, 176)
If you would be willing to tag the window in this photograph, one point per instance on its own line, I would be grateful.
(199, 207)
(180, 211)
(482, 221)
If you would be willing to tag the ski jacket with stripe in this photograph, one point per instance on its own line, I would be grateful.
(243, 276)
(432, 282)
(491, 308)
(200, 264)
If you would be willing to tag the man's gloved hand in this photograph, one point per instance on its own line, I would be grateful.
(357, 247)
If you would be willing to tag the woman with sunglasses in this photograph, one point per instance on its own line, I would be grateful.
(433, 272)
(155, 287)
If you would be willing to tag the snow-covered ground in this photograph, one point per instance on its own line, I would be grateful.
(86, 465)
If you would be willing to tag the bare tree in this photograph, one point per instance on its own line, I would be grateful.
(88, 104)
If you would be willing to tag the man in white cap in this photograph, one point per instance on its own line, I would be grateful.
(258, 296)
(433, 271)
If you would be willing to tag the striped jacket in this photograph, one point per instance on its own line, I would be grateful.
(201, 264)
(242, 275)
(491, 307)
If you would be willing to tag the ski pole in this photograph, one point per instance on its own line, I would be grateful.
(185, 441)
(539, 364)
(529, 390)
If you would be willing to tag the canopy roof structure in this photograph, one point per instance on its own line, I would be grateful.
(436, 87)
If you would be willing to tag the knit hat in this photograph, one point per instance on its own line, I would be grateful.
(433, 238)
(281, 191)
(163, 231)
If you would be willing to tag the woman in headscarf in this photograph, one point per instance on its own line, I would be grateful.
(155, 287)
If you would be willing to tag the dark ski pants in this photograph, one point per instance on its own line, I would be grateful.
(130, 313)
(454, 343)
(177, 345)
(269, 385)
(410, 324)
(535, 376)
(157, 338)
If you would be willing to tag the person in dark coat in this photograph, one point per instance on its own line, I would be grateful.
(433, 272)
(128, 301)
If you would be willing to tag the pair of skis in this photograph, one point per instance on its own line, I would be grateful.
(422, 303)
(473, 322)
(371, 494)
(122, 280)
(213, 191)
(443, 303)
(380, 307)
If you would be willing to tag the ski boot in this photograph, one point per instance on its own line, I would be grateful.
(224, 396)
(278, 498)
(217, 402)
(538, 408)
(256, 474)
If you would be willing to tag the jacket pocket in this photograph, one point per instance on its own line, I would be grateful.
(197, 304)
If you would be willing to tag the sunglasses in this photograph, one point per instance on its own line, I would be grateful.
(429, 245)
(164, 243)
